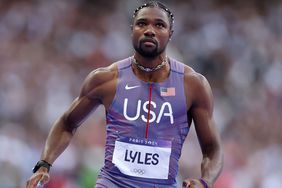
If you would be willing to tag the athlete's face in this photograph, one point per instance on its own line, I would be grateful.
(151, 31)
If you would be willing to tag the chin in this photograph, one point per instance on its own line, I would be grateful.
(149, 54)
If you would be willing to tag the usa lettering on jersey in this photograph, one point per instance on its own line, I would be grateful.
(155, 116)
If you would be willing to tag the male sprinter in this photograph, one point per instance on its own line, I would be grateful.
(150, 101)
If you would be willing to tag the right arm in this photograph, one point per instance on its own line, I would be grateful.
(64, 128)
(61, 133)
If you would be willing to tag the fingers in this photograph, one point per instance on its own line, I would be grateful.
(44, 179)
(38, 179)
(192, 183)
(186, 184)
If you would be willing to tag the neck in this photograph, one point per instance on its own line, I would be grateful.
(149, 65)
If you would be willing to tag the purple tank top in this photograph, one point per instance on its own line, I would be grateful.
(127, 119)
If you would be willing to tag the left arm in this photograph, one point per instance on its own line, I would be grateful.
(201, 110)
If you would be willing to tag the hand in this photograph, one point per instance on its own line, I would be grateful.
(192, 183)
(38, 179)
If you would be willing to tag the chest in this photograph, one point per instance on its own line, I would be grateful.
(153, 103)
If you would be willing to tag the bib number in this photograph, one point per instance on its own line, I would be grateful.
(142, 157)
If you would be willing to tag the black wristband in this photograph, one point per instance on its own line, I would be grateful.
(40, 164)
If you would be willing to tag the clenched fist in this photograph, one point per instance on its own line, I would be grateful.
(39, 178)
(192, 183)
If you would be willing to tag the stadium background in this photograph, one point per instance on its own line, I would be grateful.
(48, 47)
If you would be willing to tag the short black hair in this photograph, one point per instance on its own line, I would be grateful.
(159, 5)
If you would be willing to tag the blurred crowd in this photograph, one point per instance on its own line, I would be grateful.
(48, 47)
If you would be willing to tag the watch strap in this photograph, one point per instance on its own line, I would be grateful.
(41, 163)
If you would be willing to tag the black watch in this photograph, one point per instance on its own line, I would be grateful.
(40, 164)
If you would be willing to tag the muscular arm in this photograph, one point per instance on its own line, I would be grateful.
(93, 94)
(201, 109)
(64, 128)
(98, 88)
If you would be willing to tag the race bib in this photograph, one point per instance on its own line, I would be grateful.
(145, 158)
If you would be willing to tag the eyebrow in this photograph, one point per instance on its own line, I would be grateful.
(160, 20)
(156, 20)
(141, 19)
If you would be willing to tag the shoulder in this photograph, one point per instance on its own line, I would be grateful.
(103, 74)
(191, 77)
(197, 87)
(98, 78)
(194, 78)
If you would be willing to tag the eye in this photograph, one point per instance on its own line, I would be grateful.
(160, 25)
(140, 23)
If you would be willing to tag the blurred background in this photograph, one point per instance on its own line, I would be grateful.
(48, 47)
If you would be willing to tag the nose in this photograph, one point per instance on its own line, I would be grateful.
(149, 32)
